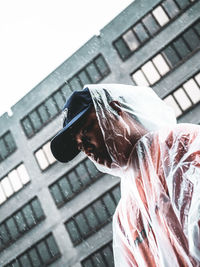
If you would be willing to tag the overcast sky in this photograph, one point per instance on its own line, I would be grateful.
(38, 35)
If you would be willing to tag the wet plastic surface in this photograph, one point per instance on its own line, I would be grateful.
(157, 219)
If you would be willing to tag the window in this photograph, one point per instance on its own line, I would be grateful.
(183, 3)
(191, 38)
(122, 48)
(171, 8)
(7, 145)
(131, 40)
(51, 107)
(44, 156)
(20, 222)
(73, 182)
(101, 65)
(181, 48)
(140, 78)
(65, 91)
(75, 83)
(168, 58)
(151, 71)
(43, 114)
(93, 72)
(160, 15)
(141, 32)
(149, 25)
(35, 120)
(13, 182)
(93, 217)
(193, 90)
(171, 56)
(102, 257)
(83, 77)
(160, 64)
(185, 96)
(41, 254)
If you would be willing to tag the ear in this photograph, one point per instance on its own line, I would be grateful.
(116, 106)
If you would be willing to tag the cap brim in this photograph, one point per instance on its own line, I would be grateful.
(63, 146)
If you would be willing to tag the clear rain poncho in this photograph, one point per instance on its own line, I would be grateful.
(157, 220)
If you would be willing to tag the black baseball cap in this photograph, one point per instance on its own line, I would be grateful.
(63, 145)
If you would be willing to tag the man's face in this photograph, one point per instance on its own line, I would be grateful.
(90, 140)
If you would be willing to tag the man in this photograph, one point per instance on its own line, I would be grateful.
(128, 131)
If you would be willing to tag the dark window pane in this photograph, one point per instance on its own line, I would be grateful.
(122, 48)
(100, 211)
(141, 32)
(20, 222)
(52, 246)
(102, 66)
(10, 142)
(109, 204)
(93, 73)
(183, 3)
(171, 8)
(91, 168)
(83, 174)
(15, 264)
(37, 209)
(24, 260)
(192, 39)
(76, 185)
(4, 236)
(29, 215)
(197, 28)
(91, 217)
(43, 251)
(151, 24)
(181, 47)
(12, 228)
(116, 194)
(27, 127)
(51, 107)
(65, 187)
(107, 252)
(57, 196)
(75, 85)
(73, 231)
(84, 78)
(59, 100)
(98, 260)
(43, 113)
(3, 149)
(171, 56)
(82, 224)
(66, 90)
(34, 257)
(88, 263)
(1, 244)
(37, 124)
(40, 254)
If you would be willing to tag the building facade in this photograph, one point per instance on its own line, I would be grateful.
(61, 214)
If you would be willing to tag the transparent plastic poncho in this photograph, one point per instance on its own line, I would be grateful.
(157, 220)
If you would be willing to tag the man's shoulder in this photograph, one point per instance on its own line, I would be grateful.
(185, 133)
(178, 130)
(169, 136)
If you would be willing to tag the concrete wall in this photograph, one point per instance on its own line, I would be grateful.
(120, 73)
